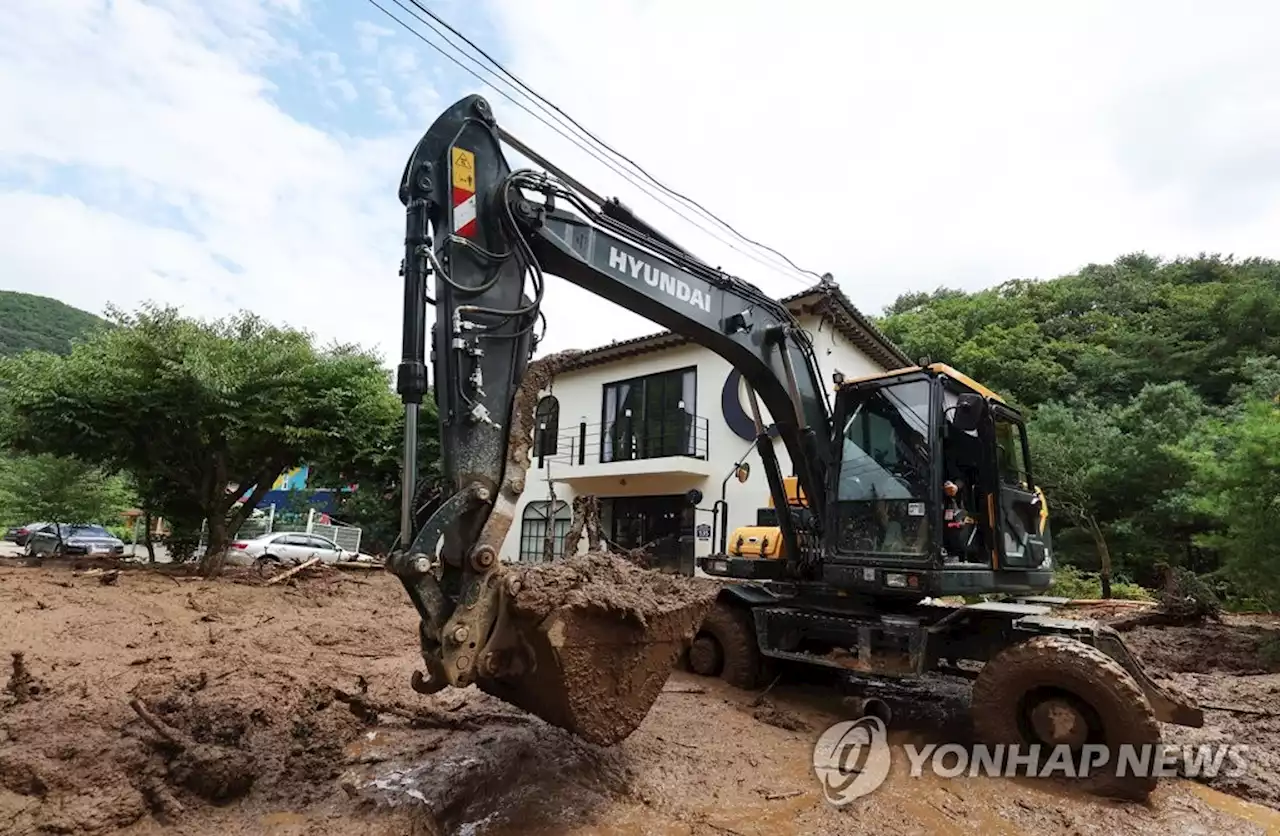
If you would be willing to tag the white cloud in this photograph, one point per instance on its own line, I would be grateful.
(370, 35)
(174, 175)
(899, 146)
(907, 145)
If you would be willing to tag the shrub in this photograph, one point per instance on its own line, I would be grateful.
(1070, 582)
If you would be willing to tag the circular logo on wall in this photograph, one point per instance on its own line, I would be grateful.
(851, 759)
(734, 415)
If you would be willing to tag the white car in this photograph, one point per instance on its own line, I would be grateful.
(286, 548)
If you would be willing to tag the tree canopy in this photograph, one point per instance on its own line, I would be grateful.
(1150, 388)
(58, 489)
(200, 413)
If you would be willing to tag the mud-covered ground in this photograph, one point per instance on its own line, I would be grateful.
(286, 709)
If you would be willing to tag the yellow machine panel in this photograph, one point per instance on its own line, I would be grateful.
(936, 368)
(795, 496)
(756, 541)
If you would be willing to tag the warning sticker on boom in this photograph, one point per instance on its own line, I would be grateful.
(464, 169)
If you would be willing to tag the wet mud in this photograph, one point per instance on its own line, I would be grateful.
(604, 635)
(286, 710)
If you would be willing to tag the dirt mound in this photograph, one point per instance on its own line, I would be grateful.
(609, 583)
(1208, 648)
(83, 760)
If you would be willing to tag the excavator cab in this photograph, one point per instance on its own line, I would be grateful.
(932, 495)
(934, 487)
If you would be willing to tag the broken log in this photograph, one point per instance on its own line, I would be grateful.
(295, 570)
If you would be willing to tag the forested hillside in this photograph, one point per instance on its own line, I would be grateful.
(1152, 393)
(35, 322)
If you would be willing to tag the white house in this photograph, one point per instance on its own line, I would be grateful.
(639, 423)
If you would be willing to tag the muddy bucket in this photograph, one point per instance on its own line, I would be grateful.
(597, 667)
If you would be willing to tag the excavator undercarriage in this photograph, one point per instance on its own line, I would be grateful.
(912, 486)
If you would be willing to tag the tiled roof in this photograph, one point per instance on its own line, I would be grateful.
(825, 299)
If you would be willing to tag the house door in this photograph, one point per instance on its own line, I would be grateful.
(663, 524)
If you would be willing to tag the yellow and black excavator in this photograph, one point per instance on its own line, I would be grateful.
(907, 487)
(968, 513)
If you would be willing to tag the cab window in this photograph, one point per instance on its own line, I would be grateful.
(1011, 458)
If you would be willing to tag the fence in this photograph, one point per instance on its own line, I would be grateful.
(346, 536)
(625, 440)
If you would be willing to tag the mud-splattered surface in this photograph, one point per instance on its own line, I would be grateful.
(609, 583)
(244, 675)
(604, 636)
(1233, 672)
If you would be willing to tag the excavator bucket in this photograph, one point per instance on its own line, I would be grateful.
(593, 665)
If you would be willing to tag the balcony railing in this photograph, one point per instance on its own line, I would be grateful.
(625, 439)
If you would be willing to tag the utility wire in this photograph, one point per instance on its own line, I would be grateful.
(538, 96)
(627, 175)
(610, 164)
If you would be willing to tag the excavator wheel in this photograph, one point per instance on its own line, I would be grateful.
(705, 657)
(731, 630)
(1055, 689)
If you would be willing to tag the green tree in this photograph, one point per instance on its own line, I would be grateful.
(202, 413)
(376, 471)
(1075, 452)
(1164, 354)
(59, 489)
(1237, 484)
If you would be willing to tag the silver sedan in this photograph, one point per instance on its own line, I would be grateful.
(286, 548)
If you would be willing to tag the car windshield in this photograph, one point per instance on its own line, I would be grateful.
(85, 531)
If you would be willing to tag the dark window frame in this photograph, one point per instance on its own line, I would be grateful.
(690, 409)
(531, 542)
(551, 438)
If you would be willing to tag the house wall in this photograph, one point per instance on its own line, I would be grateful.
(580, 394)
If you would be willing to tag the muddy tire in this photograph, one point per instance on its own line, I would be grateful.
(1056, 689)
(705, 656)
(732, 630)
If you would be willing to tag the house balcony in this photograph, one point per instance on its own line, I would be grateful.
(675, 445)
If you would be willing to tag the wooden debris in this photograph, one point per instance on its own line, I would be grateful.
(1238, 709)
(295, 570)
(779, 796)
(21, 683)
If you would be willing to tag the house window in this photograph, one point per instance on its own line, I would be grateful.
(647, 417)
(546, 428)
(538, 516)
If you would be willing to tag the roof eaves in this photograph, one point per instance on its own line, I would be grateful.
(827, 298)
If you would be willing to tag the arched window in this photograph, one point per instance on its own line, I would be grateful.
(537, 519)
(546, 427)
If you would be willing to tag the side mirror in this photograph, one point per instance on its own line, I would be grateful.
(694, 497)
(969, 411)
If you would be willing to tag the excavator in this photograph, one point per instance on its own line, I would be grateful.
(907, 490)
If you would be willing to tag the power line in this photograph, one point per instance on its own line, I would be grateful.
(628, 176)
(530, 91)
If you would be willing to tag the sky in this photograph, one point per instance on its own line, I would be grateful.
(224, 155)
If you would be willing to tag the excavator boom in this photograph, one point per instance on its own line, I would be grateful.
(477, 233)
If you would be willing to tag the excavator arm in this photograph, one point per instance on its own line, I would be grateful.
(479, 239)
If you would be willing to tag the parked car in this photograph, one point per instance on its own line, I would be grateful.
(20, 534)
(67, 539)
(284, 548)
